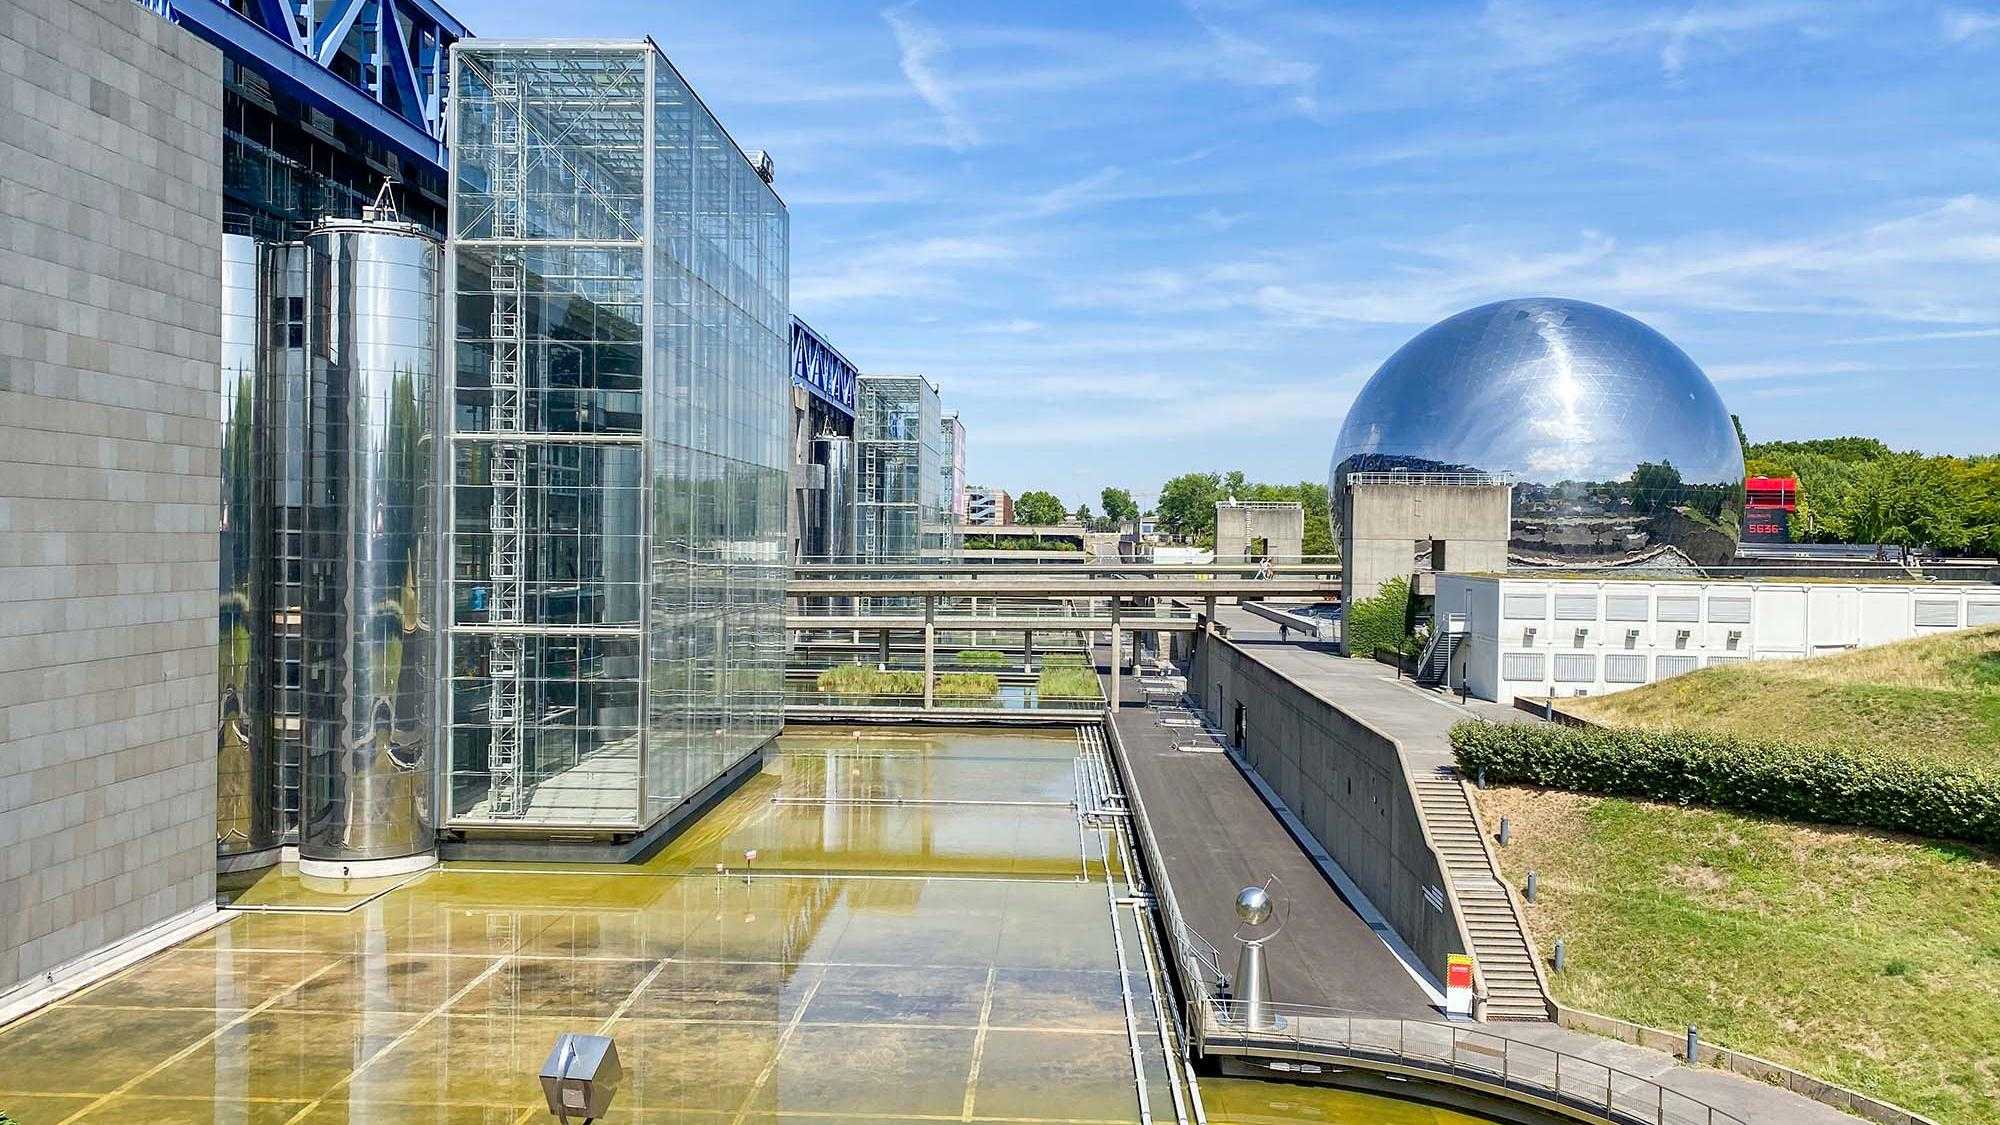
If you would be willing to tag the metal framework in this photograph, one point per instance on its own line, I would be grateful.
(381, 62)
(508, 452)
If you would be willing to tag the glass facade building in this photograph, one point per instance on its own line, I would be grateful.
(620, 386)
(900, 511)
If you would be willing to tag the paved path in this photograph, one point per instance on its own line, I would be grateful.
(1419, 719)
(1216, 836)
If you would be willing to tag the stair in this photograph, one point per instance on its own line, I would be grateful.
(1434, 666)
(1514, 987)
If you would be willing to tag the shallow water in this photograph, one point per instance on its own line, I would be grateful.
(924, 933)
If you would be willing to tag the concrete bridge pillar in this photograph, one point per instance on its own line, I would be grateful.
(930, 652)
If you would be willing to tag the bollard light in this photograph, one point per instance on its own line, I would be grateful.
(1559, 955)
(1693, 1047)
(581, 1076)
(1529, 893)
(1504, 833)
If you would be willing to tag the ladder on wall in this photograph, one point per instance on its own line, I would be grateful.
(507, 462)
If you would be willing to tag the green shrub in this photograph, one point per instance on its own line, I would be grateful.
(1067, 683)
(901, 683)
(968, 685)
(860, 679)
(1065, 660)
(847, 679)
(1380, 622)
(1831, 784)
(983, 658)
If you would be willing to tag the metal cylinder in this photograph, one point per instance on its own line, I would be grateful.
(370, 491)
(246, 762)
(836, 520)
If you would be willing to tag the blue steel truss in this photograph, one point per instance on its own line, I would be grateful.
(398, 47)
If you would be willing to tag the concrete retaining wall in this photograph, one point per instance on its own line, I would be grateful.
(1346, 782)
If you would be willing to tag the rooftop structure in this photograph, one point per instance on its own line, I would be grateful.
(1618, 446)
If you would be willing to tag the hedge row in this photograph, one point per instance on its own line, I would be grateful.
(1833, 785)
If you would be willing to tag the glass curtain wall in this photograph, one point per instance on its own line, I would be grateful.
(620, 300)
(900, 510)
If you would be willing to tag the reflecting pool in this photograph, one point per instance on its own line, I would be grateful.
(926, 931)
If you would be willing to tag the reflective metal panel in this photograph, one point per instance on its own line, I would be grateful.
(837, 498)
(246, 818)
(371, 432)
(1622, 450)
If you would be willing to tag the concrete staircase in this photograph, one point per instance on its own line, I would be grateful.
(1515, 988)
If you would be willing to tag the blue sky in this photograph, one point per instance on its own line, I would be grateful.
(1134, 239)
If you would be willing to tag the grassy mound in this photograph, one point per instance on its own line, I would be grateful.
(1936, 698)
(1851, 955)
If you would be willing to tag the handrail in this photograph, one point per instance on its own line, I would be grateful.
(1480, 1057)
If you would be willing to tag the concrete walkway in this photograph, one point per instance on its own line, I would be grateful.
(1420, 722)
(1216, 836)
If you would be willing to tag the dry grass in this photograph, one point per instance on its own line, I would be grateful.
(1860, 957)
(1935, 696)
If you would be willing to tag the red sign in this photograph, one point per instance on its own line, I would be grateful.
(1458, 973)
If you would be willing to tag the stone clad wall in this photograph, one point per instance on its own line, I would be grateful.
(110, 287)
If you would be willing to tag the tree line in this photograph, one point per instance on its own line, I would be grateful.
(1858, 490)
(1851, 490)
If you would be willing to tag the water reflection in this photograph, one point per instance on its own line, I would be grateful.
(898, 949)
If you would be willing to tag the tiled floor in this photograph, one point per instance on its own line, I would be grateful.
(882, 962)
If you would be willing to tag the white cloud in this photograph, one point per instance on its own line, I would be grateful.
(1076, 193)
(923, 268)
(1236, 56)
(923, 50)
(1962, 25)
(1932, 264)
(1536, 36)
(1785, 369)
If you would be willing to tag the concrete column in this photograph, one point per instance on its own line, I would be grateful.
(885, 648)
(930, 652)
(1208, 626)
(1117, 662)
(1027, 650)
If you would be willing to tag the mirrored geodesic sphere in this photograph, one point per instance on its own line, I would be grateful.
(1621, 450)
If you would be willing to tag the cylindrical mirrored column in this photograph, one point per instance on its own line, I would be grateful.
(246, 819)
(369, 693)
(837, 499)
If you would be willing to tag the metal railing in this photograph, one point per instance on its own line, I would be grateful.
(1455, 479)
(1016, 700)
(1453, 1053)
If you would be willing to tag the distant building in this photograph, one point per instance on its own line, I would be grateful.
(986, 506)
(824, 385)
(900, 510)
(952, 433)
(1522, 635)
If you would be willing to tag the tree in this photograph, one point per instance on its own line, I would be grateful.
(1118, 505)
(1083, 515)
(1038, 509)
(1187, 505)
